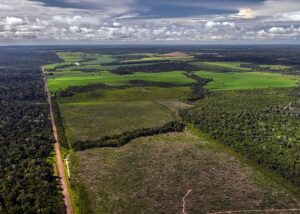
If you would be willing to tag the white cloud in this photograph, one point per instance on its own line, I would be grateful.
(212, 24)
(118, 20)
(12, 21)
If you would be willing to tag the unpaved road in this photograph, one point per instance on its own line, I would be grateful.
(184, 202)
(59, 161)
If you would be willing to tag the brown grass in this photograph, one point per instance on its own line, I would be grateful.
(152, 175)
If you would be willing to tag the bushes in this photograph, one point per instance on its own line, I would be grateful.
(122, 139)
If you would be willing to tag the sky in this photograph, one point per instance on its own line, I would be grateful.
(149, 21)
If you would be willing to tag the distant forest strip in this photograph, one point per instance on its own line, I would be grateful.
(157, 67)
(27, 183)
(122, 139)
(263, 125)
(70, 91)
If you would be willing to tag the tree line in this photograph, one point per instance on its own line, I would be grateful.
(122, 139)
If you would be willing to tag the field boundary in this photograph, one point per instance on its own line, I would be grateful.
(119, 140)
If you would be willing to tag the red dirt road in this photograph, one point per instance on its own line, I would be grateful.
(59, 161)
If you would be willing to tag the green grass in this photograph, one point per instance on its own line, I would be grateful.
(152, 174)
(232, 66)
(95, 114)
(276, 67)
(129, 94)
(71, 57)
(247, 80)
(62, 80)
(159, 57)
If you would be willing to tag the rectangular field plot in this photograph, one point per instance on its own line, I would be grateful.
(153, 174)
(90, 122)
(230, 66)
(62, 80)
(129, 94)
(247, 80)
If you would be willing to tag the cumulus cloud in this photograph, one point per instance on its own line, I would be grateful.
(107, 20)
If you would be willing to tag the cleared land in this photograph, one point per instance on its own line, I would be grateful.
(247, 80)
(152, 175)
(90, 122)
(89, 116)
(156, 174)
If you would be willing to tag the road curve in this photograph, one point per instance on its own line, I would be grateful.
(59, 161)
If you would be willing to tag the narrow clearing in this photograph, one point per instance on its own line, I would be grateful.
(59, 161)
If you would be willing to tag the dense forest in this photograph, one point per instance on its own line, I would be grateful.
(263, 125)
(27, 184)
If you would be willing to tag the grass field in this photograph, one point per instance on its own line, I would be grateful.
(276, 67)
(129, 94)
(65, 79)
(152, 174)
(85, 59)
(232, 66)
(158, 57)
(89, 116)
(247, 80)
(90, 122)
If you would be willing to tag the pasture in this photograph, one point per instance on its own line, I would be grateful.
(247, 80)
(92, 115)
(93, 121)
(62, 80)
(227, 66)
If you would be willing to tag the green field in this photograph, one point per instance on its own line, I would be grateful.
(85, 59)
(247, 80)
(276, 67)
(129, 94)
(152, 174)
(231, 66)
(65, 79)
(89, 116)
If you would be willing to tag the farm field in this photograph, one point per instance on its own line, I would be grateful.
(89, 116)
(247, 80)
(228, 66)
(153, 174)
(77, 78)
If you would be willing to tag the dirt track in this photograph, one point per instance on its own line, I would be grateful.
(59, 161)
